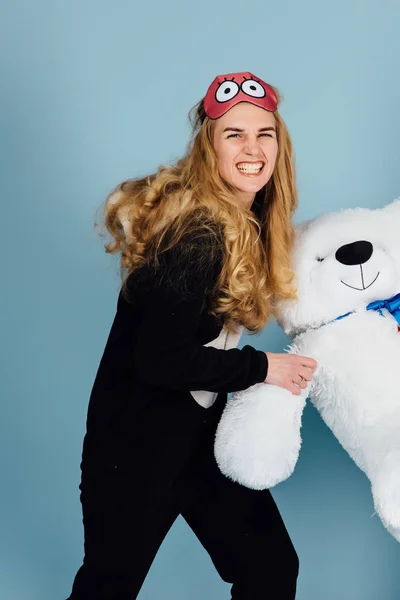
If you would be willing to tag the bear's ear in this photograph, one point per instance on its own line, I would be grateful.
(301, 228)
(393, 208)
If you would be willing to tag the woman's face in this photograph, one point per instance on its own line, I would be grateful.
(246, 146)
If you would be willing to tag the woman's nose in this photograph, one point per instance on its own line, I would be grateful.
(251, 146)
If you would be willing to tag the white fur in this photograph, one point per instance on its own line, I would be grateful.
(356, 385)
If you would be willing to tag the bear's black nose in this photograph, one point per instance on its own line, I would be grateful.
(355, 253)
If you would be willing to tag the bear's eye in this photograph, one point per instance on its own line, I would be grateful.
(319, 259)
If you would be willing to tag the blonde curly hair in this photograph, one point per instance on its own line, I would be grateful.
(149, 215)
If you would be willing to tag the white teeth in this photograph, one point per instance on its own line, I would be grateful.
(250, 167)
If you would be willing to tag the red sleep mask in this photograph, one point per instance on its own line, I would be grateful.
(227, 90)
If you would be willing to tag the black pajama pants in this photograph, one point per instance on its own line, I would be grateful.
(126, 520)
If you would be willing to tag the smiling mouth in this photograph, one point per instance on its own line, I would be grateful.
(247, 168)
(362, 278)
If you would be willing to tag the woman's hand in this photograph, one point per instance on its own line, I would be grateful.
(290, 371)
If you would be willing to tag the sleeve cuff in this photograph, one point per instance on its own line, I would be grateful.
(262, 372)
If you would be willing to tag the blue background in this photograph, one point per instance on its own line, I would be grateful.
(94, 92)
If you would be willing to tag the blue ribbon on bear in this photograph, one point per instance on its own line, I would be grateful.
(392, 305)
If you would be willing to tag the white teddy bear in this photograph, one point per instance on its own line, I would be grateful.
(347, 317)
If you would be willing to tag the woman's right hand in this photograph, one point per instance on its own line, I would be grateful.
(290, 371)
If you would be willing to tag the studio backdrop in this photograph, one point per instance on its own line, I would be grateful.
(94, 92)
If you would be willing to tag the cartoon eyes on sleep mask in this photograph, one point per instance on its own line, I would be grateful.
(228, 90)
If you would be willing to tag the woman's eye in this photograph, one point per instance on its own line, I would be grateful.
(236, 135)
(319, 259)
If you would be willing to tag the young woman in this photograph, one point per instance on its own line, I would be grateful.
(205, 249)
